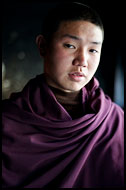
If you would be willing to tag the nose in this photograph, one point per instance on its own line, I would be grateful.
(80, 59)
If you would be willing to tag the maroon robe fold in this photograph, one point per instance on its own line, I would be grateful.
(43, 147)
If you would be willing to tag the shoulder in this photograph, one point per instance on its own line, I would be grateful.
(117, 112)
(28, 89)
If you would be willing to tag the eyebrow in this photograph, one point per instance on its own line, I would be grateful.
(71, 36)
(78, 38)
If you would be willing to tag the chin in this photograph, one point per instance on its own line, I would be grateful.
(74, 89)
(77, 86)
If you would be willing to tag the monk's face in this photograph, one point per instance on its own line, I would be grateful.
(73, 56)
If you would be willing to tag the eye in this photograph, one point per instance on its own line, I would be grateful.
(93, 51)
(69, 46)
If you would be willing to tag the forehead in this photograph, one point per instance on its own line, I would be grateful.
(79, 28)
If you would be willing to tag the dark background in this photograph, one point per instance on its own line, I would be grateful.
(22, 22)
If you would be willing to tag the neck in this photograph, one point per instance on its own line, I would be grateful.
(71, 101)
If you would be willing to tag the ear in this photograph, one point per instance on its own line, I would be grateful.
(41, 43)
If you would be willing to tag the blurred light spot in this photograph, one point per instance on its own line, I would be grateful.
(6, 84)
(13, 36)
(21, 55)
(3, 71)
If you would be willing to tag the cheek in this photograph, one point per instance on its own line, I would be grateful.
(55, 65)
(61, 54)
(94, 62)
(61, 60)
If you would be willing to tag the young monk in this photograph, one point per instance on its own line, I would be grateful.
(61, 130)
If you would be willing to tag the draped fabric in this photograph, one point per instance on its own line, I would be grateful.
(43, 147)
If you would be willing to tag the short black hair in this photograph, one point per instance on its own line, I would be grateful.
(69, 11)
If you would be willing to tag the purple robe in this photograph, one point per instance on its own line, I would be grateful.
(43, 147)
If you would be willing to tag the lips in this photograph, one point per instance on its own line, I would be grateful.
(79, 74)
(76, 76)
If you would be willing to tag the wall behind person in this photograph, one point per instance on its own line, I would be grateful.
(21, 61)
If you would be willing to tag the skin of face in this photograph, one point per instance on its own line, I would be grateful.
(72, 57)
